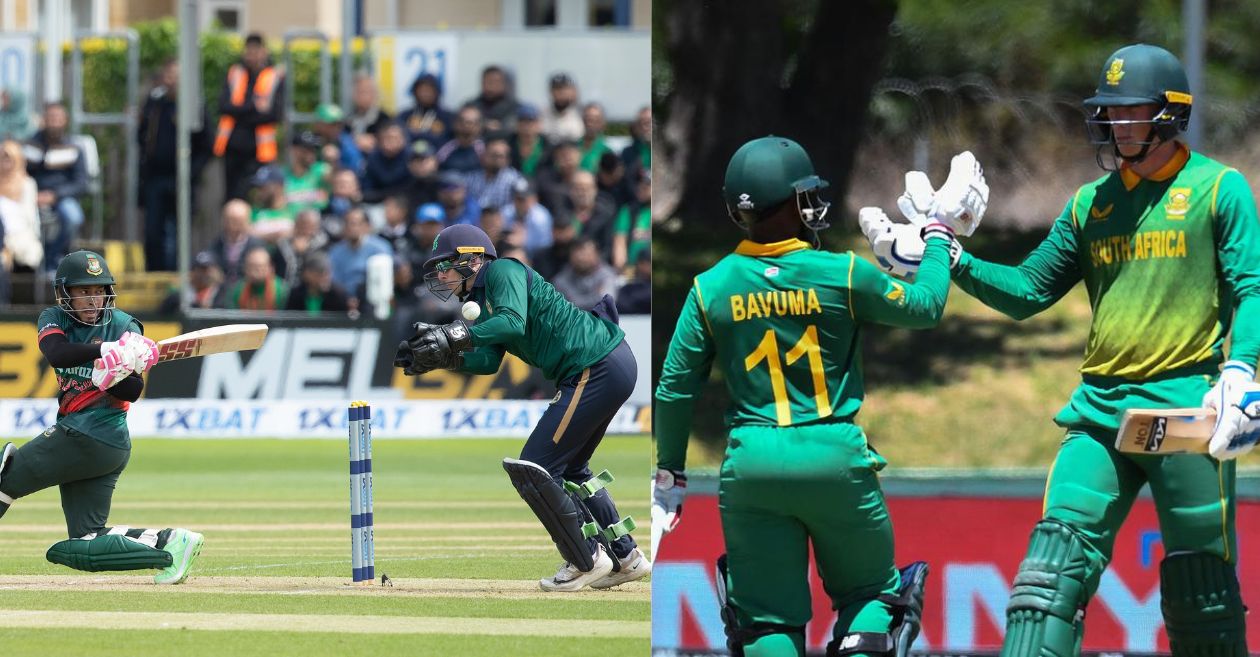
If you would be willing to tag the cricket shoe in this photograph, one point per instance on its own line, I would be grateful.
(569, 578)
(633, 566)
(184, 547)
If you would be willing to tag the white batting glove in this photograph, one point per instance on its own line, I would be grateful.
(668, 490)
(1236, 400)
(916, 202)
(960, 203)
(898, 248)
(141, 352)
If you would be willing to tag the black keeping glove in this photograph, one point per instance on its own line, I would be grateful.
(434, 347)
(405, 357)
(457, 335)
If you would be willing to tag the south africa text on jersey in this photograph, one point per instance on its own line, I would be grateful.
(1146, 245)
(774, 303)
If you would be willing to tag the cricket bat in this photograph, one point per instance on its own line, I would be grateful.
(1166, 431)
(213, 340)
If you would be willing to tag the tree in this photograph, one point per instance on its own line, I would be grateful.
(733, 71)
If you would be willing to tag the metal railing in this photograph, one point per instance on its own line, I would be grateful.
(291, 115)
(127, 118)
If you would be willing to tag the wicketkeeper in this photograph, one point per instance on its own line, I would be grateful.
(98, 353)
(1168, 246)
(584, 352)
(782, 321)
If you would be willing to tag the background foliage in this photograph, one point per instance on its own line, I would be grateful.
(1002, 79)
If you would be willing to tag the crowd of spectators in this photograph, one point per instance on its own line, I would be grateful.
(301, 219)
(357, 183)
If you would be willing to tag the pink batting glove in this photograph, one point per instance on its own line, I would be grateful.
(142, 352)
(104, 375)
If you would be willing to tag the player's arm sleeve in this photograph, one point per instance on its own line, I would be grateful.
(687, 365)
(1237, 232)
(56, 347)
(60, 352)
(482, 360)
(507, 292)
(877, 297)
(128, 389)
(1023, 290)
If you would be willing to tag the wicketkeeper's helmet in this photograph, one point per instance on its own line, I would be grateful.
(455, 248)
(79, 269)
(767, 172)
(1141, 74)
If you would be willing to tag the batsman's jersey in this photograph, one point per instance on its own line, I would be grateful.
(1165, 261)
(782, 322)
(526, 316)
(80, 405)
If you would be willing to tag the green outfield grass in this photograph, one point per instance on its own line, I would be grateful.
(462, 550)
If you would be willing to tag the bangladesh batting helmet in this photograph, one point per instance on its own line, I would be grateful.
(767, 172)
(1141, 74)
(83, 268)
(456, 247)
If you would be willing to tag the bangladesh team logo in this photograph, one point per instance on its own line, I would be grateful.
(93, 266)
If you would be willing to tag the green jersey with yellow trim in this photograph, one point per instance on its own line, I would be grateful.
(80, 405)
(782, 322)
(1166, 261)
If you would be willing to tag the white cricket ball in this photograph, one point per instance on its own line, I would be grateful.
(471, 311)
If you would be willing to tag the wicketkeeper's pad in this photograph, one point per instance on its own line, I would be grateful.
(556, 509)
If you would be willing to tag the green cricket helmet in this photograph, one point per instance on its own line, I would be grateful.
(1141, 74)
(83, 268)
(767, 172)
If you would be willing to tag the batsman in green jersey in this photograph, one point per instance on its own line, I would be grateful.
(98, 353)
(509, 308)
(1168, 247)
(782, 321)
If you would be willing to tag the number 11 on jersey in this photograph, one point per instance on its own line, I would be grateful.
(768, 350)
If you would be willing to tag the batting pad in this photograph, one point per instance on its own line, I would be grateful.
(555, 508)
(109, 552)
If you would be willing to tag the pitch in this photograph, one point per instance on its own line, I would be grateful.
(462, 552)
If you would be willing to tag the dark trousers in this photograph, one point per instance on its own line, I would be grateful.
(85, 469)
(158, 194)
(571, 429)
(238, 169)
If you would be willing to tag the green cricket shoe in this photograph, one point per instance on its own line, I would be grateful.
(184, 547)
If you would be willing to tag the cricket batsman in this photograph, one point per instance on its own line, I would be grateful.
(782, 321)
(98, 353)
(509, 308)
(1168, 246)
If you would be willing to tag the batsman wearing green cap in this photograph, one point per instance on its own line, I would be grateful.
(1168, 247)
(782, 322)
(98, 353)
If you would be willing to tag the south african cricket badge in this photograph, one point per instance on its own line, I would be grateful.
(1178, 203)
(93, 266)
